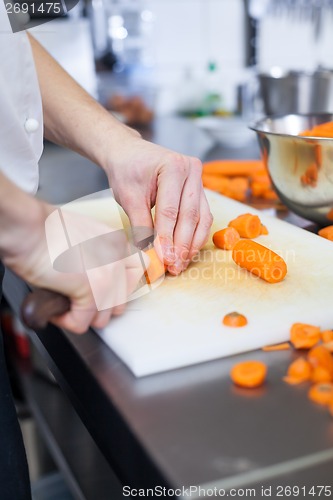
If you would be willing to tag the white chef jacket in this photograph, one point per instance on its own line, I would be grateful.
(21, 119)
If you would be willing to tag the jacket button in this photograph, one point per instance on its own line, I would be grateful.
(31, 125)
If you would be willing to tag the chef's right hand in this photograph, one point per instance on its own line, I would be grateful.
(111, 275)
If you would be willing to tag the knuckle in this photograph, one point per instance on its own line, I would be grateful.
(170, 213)
(192, 215)
(179, 163)
(196, 164)
(207, 220)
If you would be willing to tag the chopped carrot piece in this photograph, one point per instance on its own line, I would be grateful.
(263, 230)
(327, 336)
(321, 130)
(270, 194)
(322, 393)
(234, 319)
(226, 238)
(304, 336)
(299, 371)
(329, 346)
(156, 268)
(320, 356)
(310, 176)
(320, 374)
(326, 232)
(249, 374)
(247, 225)
(277, 347)
(232, 168)
(259, 260)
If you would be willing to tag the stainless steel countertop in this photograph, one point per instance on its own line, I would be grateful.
(189, 426)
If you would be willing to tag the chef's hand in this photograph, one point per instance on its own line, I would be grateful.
(28, 250)
(143, 174)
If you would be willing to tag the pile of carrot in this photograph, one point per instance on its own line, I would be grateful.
(238, 179)
(321, 130)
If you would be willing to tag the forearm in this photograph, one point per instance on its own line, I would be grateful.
(19, 213)
(72, 118)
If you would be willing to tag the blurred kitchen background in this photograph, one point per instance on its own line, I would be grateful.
(192, 57)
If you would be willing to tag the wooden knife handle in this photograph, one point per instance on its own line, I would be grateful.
(41, 305)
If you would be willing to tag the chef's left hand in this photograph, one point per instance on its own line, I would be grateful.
(143, 174)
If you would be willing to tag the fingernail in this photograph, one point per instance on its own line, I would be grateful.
(177, 267)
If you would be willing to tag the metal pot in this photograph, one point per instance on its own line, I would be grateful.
(298, 92)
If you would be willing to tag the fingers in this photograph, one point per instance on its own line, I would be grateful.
(171, 180)
(203, 228)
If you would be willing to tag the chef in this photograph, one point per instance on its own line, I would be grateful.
(37, 97)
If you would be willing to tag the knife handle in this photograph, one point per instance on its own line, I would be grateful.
(41, 305)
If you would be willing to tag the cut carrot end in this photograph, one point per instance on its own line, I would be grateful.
(249, 374)
(234, 320)
(304, 336)
(259, 260)
(321, 394)
(226, 238)
(247, 225)
(156, 268)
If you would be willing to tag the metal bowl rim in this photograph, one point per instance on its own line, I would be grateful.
(255, 126)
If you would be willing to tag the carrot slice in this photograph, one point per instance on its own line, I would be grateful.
(322, 393)
(233, 167)
(320, 356)
(304, 336)
(326, 232)
(310, 176)
(327, 336)
(234, 319)
(248, 225)
(320, 374)
(259, 260)
(156, 268)
(299, 371)
(263, 230)
(277, 347)
(249, 374)
(226, 238)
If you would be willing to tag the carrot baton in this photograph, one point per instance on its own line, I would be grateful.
(259, 260)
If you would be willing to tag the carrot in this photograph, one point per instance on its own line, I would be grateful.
(320, 356)
(304, 336)
(329, 346)
(321, 393)
(234, 319)
(310, 176)
(321, 130)
(299, 371)
(247, 225)
(270, 194)
(156, 268)
(226, 238)
(233, 168)
(249, 374)
(259, 260)
(327, 336)
(263, 230)
(320, 374)
(277, 347)
(220, 184)
(326, 232)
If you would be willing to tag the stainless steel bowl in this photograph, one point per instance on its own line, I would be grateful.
(289, 157)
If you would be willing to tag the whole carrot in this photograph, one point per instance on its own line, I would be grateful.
(259, 260)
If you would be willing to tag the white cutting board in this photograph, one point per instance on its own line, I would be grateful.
(179, 323)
